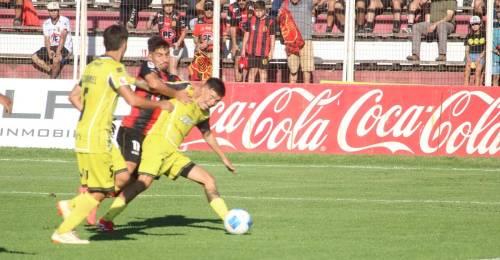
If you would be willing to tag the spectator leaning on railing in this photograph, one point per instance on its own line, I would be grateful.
(172, 28)
(442, 23)
(57, 42)
(475, 45)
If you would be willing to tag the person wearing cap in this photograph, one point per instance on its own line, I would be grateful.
(239, 13)
(475, 46)
(172, 28)
(442, 23)
(57, 42)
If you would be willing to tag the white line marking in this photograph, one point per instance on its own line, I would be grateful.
(339, 166)
(383, 201)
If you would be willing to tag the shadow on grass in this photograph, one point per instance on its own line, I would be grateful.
(141, 225)
(7, 251)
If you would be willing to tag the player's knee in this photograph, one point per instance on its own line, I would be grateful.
(209, 181)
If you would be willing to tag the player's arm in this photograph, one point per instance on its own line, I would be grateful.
(6, 103)
(154, 84)
(204, 128)
(75, 98)
(46, 43)
(140, 102)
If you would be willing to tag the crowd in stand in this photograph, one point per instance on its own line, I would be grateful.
(252, 30)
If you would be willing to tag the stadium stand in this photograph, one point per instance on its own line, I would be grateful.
(380, 51)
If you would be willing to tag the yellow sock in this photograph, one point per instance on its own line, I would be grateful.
(83, 205)
(72, 202)
(219, 206)
(115, 209)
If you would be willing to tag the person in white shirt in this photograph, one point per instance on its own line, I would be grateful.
(57, 42)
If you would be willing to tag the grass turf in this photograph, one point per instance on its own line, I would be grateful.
(303, 206)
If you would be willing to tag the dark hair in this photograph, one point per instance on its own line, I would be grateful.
(114, 37)
(156, 42)
(261, 5)
(216, 85)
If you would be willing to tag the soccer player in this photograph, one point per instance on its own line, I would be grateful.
(160, 155)
(154, 71)
(172, 27)
(103, 80)
(6, 103)
(258, 42)
(57, 42)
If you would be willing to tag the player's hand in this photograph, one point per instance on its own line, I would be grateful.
(229, 165)
(166, 105)
(183, 96)
(7, 104)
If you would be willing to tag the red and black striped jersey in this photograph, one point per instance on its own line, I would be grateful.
(142, 119)
(260, 31)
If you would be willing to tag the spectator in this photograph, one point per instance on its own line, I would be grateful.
(57, 42)
(478, 8)
(6, 103)
(339, 12)
(18, 7)
(258, 42)
(422, 6)
(475, 45)
(496, 54)
(301, 11)
(129, 12)
(172, 28)
(239, 13)
(442, 22)
(377, 6)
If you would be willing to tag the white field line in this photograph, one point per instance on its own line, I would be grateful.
(287, 199)
(338, 166)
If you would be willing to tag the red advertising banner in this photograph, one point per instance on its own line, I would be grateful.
(356, 119)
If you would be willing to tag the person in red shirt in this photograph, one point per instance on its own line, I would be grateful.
(172, 28)
(239, 13)
(258, 42)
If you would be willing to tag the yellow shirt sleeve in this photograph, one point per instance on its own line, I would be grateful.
(119, 77)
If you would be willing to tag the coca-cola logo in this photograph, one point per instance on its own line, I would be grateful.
(270, 122)
(435, 131)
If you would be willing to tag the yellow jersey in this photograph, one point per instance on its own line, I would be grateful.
(100, 82)
(175, 126)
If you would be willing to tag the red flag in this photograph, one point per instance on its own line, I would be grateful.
(291, 34)
(30, 16)
(201, 67)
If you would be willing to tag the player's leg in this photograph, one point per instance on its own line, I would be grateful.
(293, 66)
(130, 143)
(370, 15)
(18, 13)
(96, 168)
(478, 77)
(251, 75)
(56, 64)
(467, 71)
(339, 15)
(397, 5)
(202, 177)
(307, 61)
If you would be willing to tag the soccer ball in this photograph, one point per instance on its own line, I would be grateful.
(237, 221)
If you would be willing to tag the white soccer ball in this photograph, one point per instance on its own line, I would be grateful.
(237, 221)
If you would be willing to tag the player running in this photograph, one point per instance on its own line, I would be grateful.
(160, 155)
(103, 80)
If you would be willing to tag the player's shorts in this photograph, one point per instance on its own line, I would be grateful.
(474, 57)
(161, 158)
(258, 62)
(305, 60)
(98, 170)
(43, 54)
(130, 142)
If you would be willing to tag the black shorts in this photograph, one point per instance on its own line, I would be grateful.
(43, 54)
(258, 62)
(130, 142)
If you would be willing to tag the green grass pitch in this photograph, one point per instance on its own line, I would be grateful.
(303, 207)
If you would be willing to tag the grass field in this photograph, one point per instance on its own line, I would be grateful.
(303, 206)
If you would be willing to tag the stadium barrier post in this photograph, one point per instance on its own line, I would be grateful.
(83, 36)
(76, 39)
(489, 43)
(216, 40)
(349, 37)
